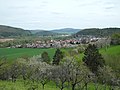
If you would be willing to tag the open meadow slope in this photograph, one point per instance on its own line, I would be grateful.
(112, 56)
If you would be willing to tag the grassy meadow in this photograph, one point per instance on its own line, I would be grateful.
(112, 52)
(14, 53)
(112, 57)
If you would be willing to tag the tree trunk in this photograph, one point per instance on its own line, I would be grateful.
(110, 87)
(33, 88)
(86, 86)
(73, 86)
(24, 78)
(61, 88)
(43, 86)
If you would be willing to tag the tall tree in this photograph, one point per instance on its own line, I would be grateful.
(57, 57)
(115, 39)
(45, 57)
(93, 59)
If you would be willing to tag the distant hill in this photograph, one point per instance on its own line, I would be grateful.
(98, 32)
(66, 31)
(57, 31)
(36, 31)
(8, 31)
(45, 33)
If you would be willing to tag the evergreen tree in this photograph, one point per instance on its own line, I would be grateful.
(93, 59)
(57, 57)
(45, 57)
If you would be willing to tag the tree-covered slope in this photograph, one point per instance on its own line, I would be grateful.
(35, 31)
(98, 32)
(46, 33)
(66, 31)
(7, 31)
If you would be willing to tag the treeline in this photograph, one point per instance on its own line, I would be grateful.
(98, 32)
(63, 71)
(7, 31)
(46, 33)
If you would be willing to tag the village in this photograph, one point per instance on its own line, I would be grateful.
(68, 43)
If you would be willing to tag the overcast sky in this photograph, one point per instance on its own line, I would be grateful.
(54, 14)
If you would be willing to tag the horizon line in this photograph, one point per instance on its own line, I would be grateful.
(60, 28)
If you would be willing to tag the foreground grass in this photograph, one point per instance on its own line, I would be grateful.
(19, 85)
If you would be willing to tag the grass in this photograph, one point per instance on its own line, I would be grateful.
(113, 50)
(14, 53)
(19, 85)
(112, 57)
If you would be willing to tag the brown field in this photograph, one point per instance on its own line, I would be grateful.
(5, 40)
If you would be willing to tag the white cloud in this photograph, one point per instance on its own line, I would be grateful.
(49, 14)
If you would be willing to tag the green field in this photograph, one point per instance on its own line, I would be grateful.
(19, 85)
(113, 50)
(14, 53)
(112, 57)
(111, 54)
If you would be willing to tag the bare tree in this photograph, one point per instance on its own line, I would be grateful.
(78, 75)
(43, 75)
(72, 72)
(107, 77)
(60, 76)
(14, 71)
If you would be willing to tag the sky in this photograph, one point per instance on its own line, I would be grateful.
(55, 14)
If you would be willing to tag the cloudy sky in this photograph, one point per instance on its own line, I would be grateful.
(54, 14)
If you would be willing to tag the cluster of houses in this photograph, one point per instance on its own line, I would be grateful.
(47, 44)
(59, 43)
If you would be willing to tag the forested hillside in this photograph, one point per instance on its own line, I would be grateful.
(7, 31)
(98, 32)
(66, 30)
(46, 33)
